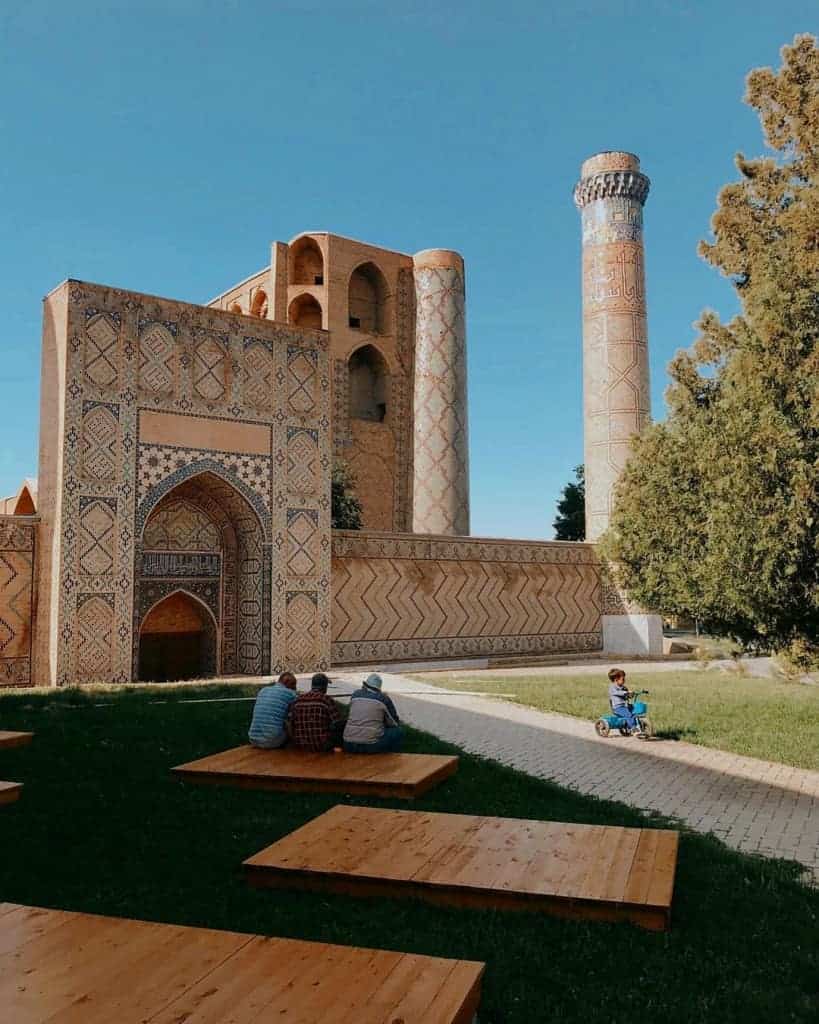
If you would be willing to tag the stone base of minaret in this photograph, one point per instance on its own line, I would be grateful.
(633, 635)
(628, 630)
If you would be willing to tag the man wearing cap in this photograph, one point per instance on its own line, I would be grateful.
(314, 720)
(373, 725)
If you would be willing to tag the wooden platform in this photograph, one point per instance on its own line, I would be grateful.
(386, 775)
(14, 739)
(581, 871)
(58, 966)
(9, 792)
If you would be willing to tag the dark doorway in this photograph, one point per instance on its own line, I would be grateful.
(177, 641)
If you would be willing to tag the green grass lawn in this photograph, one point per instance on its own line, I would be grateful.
(103, 827)
(777, 721)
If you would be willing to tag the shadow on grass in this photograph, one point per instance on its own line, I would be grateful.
(103, 827)
(685, 732)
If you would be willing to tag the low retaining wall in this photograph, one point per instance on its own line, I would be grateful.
(18, 538)
(398, 597)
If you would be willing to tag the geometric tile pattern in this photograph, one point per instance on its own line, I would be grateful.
(209, 369)
(304, 541)
(441, 475)
(101, 350)
(258, 376)
(303, 462)
(100, 441)
(95, 631)
(407, 596)
(178, 525)
(159, 462)
(17, 549)
(157, 360)
(124, 353)
(616, 397)
(98, 519)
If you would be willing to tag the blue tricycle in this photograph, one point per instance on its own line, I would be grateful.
(605, 723)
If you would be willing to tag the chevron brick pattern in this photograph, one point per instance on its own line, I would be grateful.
(398, 596)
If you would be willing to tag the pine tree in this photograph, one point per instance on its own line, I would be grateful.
(570, 523)
(717, 514)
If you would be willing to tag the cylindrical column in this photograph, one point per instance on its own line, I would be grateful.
(616, 398)
(441, 473)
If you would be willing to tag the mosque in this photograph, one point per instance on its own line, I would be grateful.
(179, 526)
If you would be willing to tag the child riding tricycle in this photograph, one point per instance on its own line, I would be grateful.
(628, 714)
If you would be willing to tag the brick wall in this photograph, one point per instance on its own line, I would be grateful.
(398, 597)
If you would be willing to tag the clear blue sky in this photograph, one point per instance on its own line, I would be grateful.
(162, 146)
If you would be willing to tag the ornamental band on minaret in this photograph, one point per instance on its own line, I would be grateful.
(616, 399)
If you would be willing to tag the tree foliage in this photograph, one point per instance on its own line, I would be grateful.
(717, 514)
(345, 506)
(570, 523)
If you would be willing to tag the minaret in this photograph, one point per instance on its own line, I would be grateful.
(616, 400)
(441, 473)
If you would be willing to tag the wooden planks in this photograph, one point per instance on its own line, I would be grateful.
(14, 739)
(386, 775)
(583, 871)
(9, 792)
(84, 969)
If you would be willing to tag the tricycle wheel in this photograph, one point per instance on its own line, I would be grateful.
(601, 727)
(648, 728)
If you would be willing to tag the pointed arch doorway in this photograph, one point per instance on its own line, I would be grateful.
(177, 640)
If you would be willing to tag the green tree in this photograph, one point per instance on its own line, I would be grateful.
(346, 508)
(570, 523)
(717, 513)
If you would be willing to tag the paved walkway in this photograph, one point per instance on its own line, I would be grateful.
(754, 806)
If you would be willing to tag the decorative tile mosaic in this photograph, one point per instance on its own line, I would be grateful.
(125, 352)
(17, 551)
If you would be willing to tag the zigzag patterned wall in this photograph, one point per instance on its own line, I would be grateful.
(17, 542)
(398, 596)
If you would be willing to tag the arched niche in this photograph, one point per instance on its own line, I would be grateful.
(259, 305)
(203, 536)
(368, 384)
(369, 300)
(306, 262)
(305, 311)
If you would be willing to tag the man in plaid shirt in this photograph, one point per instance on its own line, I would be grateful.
(314, 720)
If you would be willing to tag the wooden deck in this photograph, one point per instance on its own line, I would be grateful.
(58, 966)
(14, 739)
(9, 792)
(581, 871)
(384, 775)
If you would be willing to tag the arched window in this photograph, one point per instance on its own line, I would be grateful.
(259, 307)
(368, 300)
(235, 308)
(368, 385)
(305, 311)
(306, 262)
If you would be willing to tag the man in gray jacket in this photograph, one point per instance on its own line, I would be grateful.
(373, 726)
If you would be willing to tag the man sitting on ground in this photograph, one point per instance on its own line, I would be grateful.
(373, 726)
(314, 720)
(270, 711)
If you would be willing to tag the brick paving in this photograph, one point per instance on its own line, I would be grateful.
(752, 805)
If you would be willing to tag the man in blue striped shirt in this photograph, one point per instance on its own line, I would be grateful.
(270, 711)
